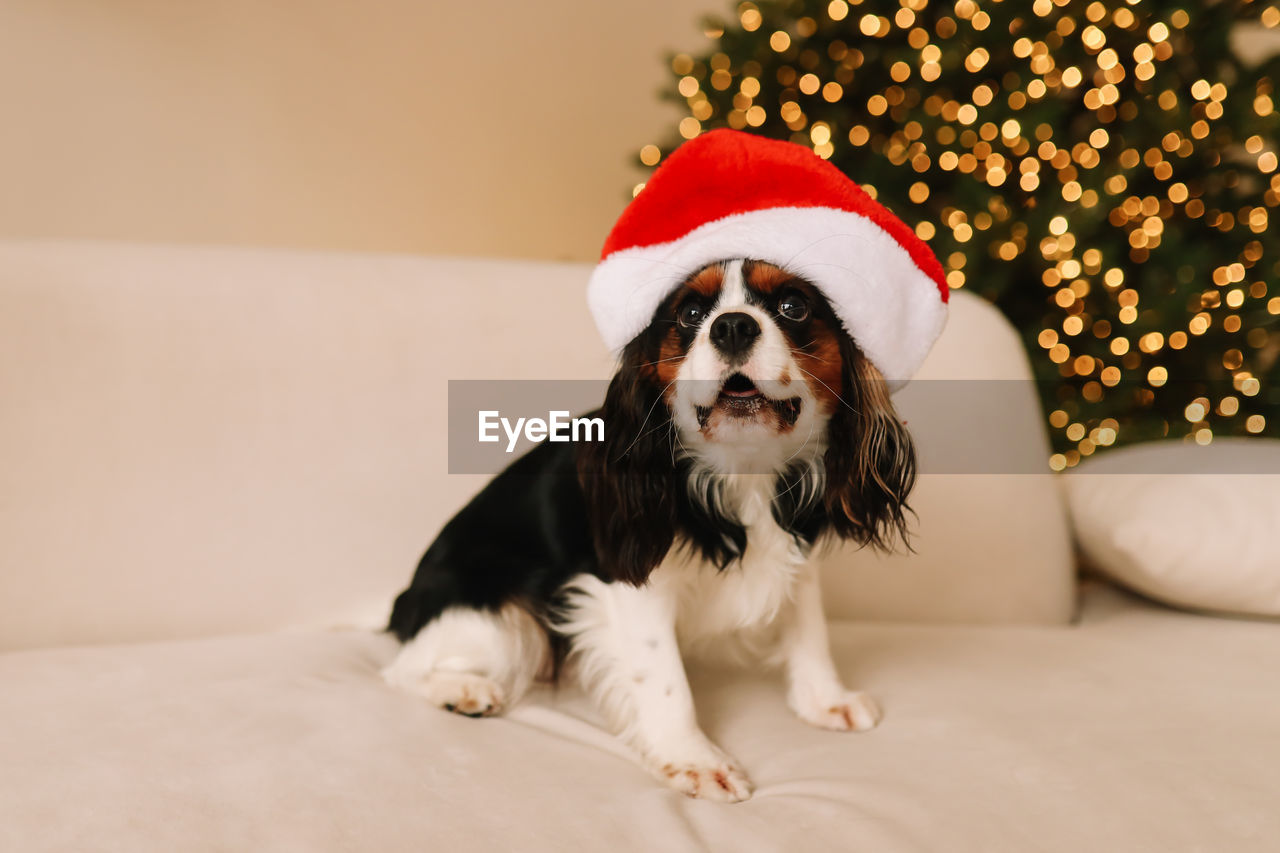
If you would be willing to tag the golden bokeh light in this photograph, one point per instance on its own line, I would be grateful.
(1073, 145)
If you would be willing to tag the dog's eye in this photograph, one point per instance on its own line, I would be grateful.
(793, 307)
(690, 314)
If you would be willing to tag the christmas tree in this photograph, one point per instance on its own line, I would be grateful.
(1103, 171)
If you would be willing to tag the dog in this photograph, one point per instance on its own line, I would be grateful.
(744, 429)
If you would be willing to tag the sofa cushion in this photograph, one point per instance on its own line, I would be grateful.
(1141, 729)
(1187, 525)
(212, 440)
(991, 541)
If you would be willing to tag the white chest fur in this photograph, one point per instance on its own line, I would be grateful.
(746, 597)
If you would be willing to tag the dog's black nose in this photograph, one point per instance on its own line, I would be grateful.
(734, 333)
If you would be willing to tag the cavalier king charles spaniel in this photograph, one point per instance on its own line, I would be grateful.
(743, 429)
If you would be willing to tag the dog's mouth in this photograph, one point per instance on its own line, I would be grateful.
(740, 398)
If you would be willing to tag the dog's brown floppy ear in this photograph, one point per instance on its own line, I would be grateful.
(870, 459)
(629, 478)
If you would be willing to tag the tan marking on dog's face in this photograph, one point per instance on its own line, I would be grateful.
(763, 277)
(707, 281)
(670, 355)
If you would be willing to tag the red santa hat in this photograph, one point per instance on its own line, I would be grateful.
(728, 194)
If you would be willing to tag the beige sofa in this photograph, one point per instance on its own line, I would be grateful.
(220, 465)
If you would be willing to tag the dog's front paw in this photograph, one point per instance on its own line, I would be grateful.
(700, 769)
(719, 779)
(847, 711)
(461, 692)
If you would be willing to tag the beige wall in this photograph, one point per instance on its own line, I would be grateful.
(500, 128)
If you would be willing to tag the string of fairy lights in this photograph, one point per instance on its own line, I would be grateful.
(1103, 171)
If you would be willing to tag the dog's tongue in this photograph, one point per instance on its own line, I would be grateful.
(739, 386)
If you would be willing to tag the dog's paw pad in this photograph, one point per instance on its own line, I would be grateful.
(462, 693)
(720, 781)
(854, 711)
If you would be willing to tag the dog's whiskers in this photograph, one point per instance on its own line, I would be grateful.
(834, 393)
(645, 422)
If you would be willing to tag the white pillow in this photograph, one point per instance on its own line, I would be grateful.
(1193, 526)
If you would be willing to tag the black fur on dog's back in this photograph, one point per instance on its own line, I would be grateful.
(520, 539)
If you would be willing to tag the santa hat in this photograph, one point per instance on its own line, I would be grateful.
(727, 194)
